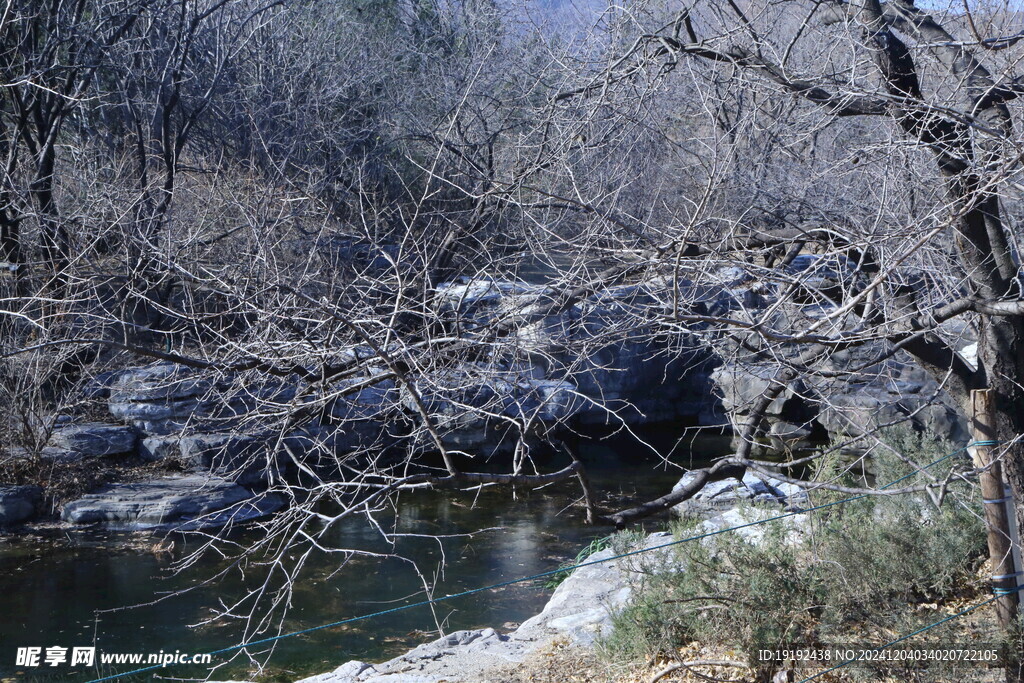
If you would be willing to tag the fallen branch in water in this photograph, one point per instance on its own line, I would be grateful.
(723, 469)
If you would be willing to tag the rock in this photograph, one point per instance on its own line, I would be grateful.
(473, 302)
(869, 407)
(324, 446)
(716, 495)
(638, 376)
(727, 494)
(237, 457)
(98, 387)
(753, 533)
(94, 439)
(19, 503)
(820, 275)
(740, 386)
(163, 399)
(582, 606)
(970, 355)
(792, 496)
(889, 391)
(157, 448)
(166, 399)
(49, 453)
(618, 376)
(251, 460)
(789, 432)
(464, 404)
(160, 417)
(156, 382)
(175, 503)
(731, 276)
(366, 404)
(349, 671)
(446, 659)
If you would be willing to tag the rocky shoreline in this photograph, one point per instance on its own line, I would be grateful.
(579, 612)
(224, 437)
(210, 449)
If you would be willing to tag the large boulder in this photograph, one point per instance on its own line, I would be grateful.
(157, 382)
(238, 457)
(164, 416)
(167, 399)
(605, 345)
(174, 503)
(369, 403)
(19, 503)
(471, 406)
(869, 407)
(862, 390)
(255, 460)
(623, 368)
(93, 439)
(98, 386)
(739, 387)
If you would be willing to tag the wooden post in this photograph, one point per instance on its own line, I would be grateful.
(1000, 517)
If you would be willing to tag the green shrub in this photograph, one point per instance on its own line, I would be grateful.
(849, 576)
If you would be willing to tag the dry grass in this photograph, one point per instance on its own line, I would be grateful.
(563, 662)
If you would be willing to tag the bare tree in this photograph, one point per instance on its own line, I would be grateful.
(389, 242)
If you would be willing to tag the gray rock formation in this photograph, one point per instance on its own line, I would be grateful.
(167, 399)
(492, 397)
(174, 503)
(727, 493)
(638, 374)
(157, 382)
(616, 366)
(19, 503)
(94, 439)
(891, 392)
(743, 523)
(159, 416)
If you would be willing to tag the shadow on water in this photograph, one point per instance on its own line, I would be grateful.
(58, 588)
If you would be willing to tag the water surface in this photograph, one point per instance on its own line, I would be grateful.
(61, 588)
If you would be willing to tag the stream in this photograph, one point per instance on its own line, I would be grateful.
(104, 589)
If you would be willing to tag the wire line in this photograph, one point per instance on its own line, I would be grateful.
(553, 572)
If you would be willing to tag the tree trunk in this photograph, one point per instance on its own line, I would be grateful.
(1001, 356)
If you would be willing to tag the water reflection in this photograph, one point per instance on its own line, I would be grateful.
(56, 589)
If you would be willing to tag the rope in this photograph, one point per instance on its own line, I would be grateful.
(553, 572)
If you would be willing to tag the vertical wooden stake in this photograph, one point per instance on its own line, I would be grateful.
(1000, 517)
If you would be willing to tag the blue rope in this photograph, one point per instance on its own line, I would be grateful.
(552, 572)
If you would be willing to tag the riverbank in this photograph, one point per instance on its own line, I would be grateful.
(596, 620)
(69, 583)
(576, 618)
(578, 613)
